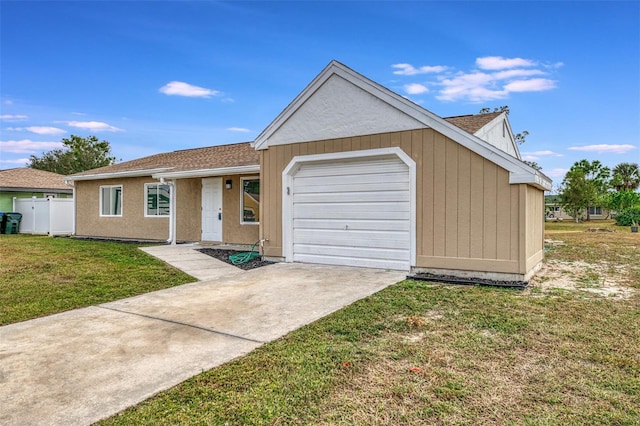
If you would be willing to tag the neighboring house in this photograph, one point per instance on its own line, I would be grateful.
(350, 173)
(554, 211)
(207, 186)
(26, 182)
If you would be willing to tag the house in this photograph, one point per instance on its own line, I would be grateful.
(350, 173)
(554, 211)
(355, 174)
(26, 182)
(207, 186)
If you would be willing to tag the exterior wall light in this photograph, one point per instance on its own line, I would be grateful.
(227, 184)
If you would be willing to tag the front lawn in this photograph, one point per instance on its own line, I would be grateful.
(41, 275)
(563, 351)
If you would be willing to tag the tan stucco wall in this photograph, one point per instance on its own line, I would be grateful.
(468, 216)
(133, 224)
(232, 230)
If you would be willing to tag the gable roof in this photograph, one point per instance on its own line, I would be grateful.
(220, 159)
(473, 122)
(335, 80)
(32, 180)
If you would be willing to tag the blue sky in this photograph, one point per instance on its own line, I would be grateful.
(155, 76)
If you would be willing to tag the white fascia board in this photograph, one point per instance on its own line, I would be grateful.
(222, 171)
(537, 179)
(113, 175)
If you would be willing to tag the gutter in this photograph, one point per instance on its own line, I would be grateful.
(235, 170)
(129, 173)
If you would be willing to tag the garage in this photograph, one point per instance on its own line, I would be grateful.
(353, 212)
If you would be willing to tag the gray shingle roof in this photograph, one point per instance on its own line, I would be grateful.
(30, 179)
(211, 157)
(472, 123)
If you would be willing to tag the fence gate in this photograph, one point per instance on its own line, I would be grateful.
(48, 216)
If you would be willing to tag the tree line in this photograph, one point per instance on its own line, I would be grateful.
(591, 184)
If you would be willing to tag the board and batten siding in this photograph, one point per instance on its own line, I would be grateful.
(468, 216)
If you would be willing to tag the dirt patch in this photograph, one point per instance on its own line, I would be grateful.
(599, 279)
(224, 256)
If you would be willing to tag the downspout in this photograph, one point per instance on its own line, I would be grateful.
(73, 219)
(172, 210)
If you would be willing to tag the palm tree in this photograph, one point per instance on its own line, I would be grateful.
(626, 177)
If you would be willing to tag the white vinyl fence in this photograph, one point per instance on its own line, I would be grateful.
(52, 216)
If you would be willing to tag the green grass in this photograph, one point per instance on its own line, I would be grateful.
(424, 353)
(41, 275)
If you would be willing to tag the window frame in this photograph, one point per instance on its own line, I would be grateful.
(242, 221)
(595, 210)
(101, 204)
(146, 200)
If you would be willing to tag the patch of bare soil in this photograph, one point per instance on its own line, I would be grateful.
(599, 279)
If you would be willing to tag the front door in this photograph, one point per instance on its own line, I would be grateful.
(211, 209)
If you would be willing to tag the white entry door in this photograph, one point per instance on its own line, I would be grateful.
(212, 209)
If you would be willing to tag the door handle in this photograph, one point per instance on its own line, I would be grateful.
(220, 216)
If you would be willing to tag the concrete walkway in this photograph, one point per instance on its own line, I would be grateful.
(80, 366)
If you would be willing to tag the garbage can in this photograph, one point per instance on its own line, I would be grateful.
(2, 222)
(12, 222)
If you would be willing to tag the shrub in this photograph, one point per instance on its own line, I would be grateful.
(628, 217)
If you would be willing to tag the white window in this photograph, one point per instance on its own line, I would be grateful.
(158, 199)
(595, 211)
(111, 200)
(250, 201)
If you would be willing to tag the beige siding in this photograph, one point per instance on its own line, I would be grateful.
(535, 227)
(134, 225)
(468, 215)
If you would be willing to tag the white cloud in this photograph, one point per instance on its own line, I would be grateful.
(11, 117)
(179, 88)
(503, 75)
(604, 148)
(45, 130)
(19, 161)
(475, 87)
(556, 173)
(415, 89)
(500, 63)
(27, 146)
(533, 85)
(535, 155)
(495, 77)
(408, 69)
(94, 126)
(237, 129)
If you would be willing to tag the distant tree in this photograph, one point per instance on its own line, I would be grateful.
(521, 137)
(77, 155)
(620, 200)
(626, 177)
(503, 108)
(533, 164)
(583, 186)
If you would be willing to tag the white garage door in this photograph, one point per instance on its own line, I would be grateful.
(352, 212)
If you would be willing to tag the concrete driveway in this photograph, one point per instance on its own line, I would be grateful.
(80, 366)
